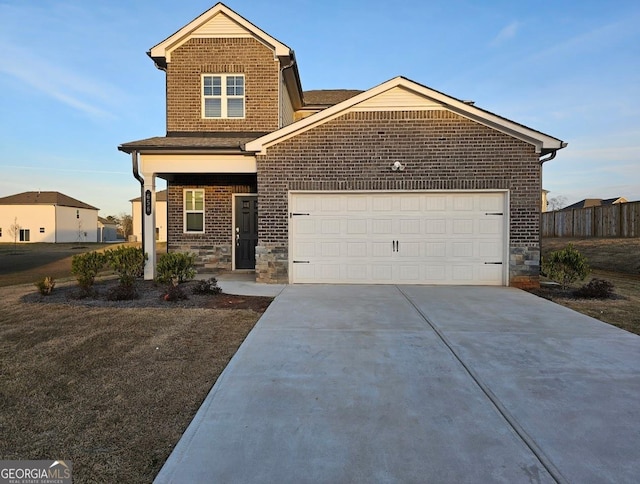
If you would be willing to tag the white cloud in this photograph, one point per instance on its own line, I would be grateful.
(506, 33)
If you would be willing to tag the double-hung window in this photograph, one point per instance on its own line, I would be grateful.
(194, 211)
(223, 96)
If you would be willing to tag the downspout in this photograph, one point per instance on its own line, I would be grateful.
(137, 176)
(551, 156)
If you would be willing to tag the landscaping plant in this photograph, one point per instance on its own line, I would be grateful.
(175, 267)
(128, 262)
(210, 286)
(45, 286)
(86, 267)
(565, 266)
(596, 289)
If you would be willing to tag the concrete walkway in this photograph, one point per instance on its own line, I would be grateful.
(419, 384)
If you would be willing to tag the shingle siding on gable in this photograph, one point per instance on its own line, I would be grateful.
(220, 56)
(441, 150)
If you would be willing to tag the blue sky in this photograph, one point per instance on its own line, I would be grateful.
(76, 81)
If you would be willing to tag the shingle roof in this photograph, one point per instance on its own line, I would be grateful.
(595, 202)
(200, 141)
(106, 221)
(161, 196)
(44, 198)
(328, 97)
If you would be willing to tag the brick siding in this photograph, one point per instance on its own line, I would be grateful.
(441, 151)
(213, 248)
(222, 56)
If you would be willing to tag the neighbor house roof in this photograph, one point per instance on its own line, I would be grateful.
(201, 141)
(386, 96)
(328, 97)
(44, 198)
(161, 196)
(595, 202)
(106, 221)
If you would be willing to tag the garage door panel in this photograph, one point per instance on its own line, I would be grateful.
(430, 238)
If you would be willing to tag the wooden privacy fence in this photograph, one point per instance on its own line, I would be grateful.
(619, 220)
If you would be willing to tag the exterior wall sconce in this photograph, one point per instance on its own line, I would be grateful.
(397, 166)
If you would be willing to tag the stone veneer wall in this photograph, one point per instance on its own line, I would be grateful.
(222, 56)
(441, 151)
(213, 248)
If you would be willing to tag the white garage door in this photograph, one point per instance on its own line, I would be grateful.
(398, 238)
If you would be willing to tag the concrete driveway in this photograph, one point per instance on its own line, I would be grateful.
(404, 384)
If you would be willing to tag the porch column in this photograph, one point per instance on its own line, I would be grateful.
(149, 224)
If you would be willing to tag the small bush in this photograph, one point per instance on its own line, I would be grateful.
(210, 286)
(128, 262)
(175, 266)
(86, 267)
(566, 266)
(175, 293)
(45, 286)
(596, 289)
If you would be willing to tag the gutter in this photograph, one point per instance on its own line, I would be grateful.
(553, 154)
(137, 176)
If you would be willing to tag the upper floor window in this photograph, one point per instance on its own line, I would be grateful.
(223, 96)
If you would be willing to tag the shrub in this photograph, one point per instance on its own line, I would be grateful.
(128, 262)
(175, 293)
(566, 266)
(175, 266)
(86, 267)
(45, 286)
(596, 289)
(210, 286)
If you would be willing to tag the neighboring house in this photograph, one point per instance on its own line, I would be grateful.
(107, 230)
(47, 217)
(545, 202)
(595, 202)
(161, 217)
(397, 184)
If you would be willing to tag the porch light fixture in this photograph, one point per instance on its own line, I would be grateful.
(397, 166)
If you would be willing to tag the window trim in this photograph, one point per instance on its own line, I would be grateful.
(224, 97)
(186, 210)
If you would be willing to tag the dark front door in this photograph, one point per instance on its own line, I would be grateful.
(246, 231)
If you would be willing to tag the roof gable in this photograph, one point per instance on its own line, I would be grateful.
(218, 21)
(403, 94)
(44, 198)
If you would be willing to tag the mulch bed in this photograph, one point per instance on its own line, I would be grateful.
(150, 295)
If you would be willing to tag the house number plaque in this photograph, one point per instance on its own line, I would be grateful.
(147, 202)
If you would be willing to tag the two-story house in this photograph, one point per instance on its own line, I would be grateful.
(396, 184)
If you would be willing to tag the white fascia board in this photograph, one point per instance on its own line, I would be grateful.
(540, 140)
(196, 163)
(164, 48)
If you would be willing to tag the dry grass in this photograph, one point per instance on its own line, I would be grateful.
(614, 260)
(111, 389)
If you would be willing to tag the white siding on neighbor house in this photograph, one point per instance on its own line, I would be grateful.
(76, 225)
(58, 224)
(221, 26)
(161, 220)
(28, 217)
